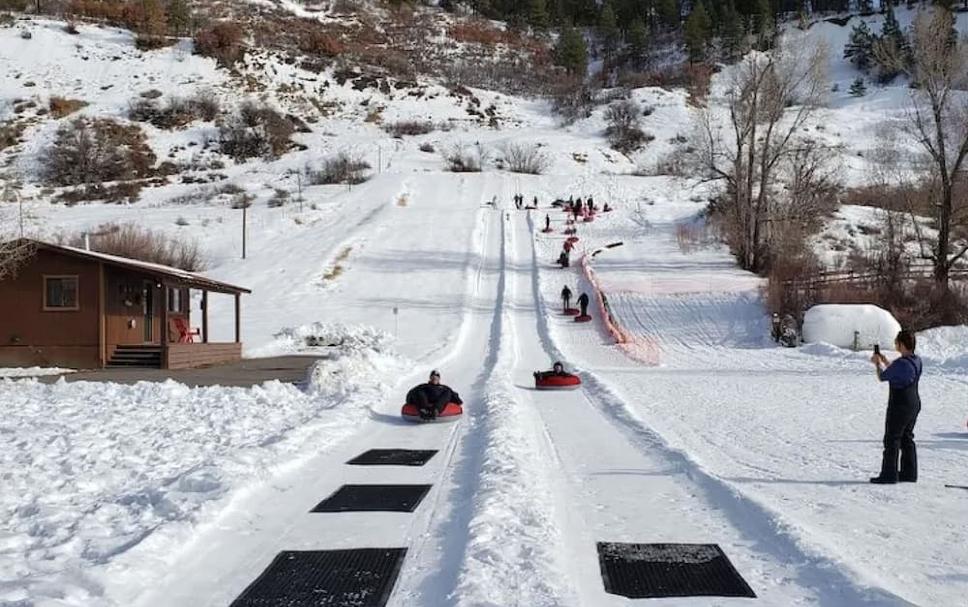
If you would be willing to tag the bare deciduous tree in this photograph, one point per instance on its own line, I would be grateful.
(771, 97)
(13, 254)
(938, 121)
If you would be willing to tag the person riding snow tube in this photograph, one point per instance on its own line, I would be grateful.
(432, 401)
(556, 379)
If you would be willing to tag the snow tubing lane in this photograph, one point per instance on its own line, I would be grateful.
(558, 382)
(585, 318)
(570, 312)
(452, 412)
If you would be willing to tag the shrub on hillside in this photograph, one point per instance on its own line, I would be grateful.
(255, 131)
(61, 107)
(623, 131)
(409, 128)
(176, 113)
(135, 242)
(341, 168)
(222, 42)
(315, 42)
(463, 158)
(526, 158)
(92, 151)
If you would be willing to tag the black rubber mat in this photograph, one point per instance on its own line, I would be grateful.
(393, 457)
(651, 571)
(374, 498)
(326, 578)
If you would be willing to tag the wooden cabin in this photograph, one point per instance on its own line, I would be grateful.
(70, 307)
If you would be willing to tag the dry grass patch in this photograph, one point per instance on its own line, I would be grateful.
(337, 269)
(61, 106)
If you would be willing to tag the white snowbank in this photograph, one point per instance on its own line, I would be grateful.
(90, 470)
(32, 371)
(842, 325)
(944, 347)
(331, 338)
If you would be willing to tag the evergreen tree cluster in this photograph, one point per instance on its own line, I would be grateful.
(884, 55)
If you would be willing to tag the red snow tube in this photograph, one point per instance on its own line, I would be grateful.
(570, 312)
(548, 230)
(590, 218)
(557, 382)
(451, 412)
(583, 318)
(573, 239)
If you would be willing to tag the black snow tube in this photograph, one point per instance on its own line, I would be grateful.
(452, 412)
(557, 382)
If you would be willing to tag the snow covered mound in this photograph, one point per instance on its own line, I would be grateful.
(92, 470)
(847, 325)
(331, 338)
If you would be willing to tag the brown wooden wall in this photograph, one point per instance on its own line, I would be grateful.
(31, 336)
(182, 356)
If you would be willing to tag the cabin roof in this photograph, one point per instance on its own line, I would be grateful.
(174, 276)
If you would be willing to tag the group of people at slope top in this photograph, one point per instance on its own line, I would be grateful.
(519, 202)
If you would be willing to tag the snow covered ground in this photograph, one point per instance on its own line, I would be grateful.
(157, 495)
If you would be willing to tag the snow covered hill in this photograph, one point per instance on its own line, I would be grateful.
(696, 430)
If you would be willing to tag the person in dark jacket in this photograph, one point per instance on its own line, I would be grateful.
(557, 369)
(431, 398)
(583, 303)
(566, 297)
(903, 406)
(547, 222)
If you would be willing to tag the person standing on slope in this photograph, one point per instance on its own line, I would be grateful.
(583, 303)
(566, 297)
(903, 406)
(547, 223)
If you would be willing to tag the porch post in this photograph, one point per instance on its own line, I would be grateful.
(164, 325)
(238, 318)
(204, 317)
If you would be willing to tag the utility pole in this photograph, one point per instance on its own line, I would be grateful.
(245, 215)
(299, 186)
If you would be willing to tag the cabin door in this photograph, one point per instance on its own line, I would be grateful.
(148, 301)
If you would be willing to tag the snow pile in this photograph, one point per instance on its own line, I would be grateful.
(331, 338)
(90, 470)
(6, 372)
(945, 347)
(844, 325)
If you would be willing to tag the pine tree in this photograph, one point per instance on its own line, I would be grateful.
(669, 14)
(608, 28)
(638, 37)
(858, 88)
(538, 16)
(732, 33)
(571, 52)
(859, 48)
(179, 16)
(697, 33)
(891, 30)
(765, 25)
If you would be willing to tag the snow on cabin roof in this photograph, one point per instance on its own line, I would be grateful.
(183, 277)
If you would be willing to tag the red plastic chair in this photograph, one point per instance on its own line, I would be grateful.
(185, 334)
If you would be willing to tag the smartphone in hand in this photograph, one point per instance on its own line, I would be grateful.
(877, 349)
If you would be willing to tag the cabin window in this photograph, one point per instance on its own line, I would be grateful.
(60, 293)
(176, 300)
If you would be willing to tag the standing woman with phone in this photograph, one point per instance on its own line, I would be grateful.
(903, 406)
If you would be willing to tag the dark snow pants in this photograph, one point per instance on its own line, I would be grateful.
(899, 440)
